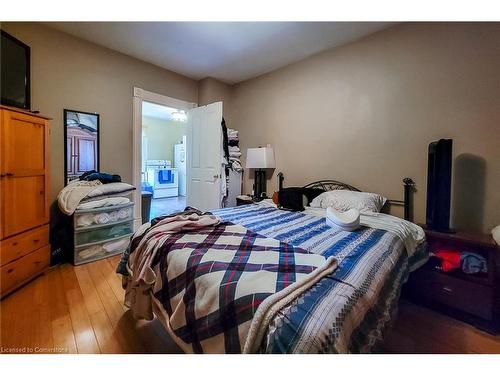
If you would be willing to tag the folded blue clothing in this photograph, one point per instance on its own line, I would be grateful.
(473, 263)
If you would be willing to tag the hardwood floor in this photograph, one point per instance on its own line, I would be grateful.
(420, 330)
(80, 310)
(77, 310)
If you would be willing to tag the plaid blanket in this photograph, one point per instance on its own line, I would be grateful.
(348, 311)
(219, 287)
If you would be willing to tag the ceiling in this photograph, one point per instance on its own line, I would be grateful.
(157, 111)
(228, 51)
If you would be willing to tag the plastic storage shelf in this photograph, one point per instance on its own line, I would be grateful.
(103, 215)
(102, 232)
(89, 253)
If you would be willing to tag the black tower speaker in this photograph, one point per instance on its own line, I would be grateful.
(439, 185)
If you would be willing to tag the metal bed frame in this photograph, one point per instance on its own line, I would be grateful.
(408, 183)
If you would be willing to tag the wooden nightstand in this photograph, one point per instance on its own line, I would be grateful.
(473, 298)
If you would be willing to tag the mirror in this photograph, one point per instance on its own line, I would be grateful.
(81, 143)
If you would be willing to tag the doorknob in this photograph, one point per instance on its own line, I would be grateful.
(216, 176)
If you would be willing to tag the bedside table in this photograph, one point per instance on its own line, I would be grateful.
(473, 298)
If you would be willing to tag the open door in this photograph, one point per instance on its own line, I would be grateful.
(204, 157)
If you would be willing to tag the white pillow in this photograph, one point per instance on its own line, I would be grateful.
(343, 200)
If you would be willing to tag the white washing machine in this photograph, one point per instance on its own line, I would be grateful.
(163, 178)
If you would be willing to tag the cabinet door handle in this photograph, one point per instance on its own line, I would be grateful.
(447, 289)
(9, 174)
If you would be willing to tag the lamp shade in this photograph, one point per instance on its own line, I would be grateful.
(262, 157)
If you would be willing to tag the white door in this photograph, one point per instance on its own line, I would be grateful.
(204, 157)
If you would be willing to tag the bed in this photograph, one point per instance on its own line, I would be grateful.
(348, 310)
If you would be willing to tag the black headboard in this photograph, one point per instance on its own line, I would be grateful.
(328, 185)
(408, 184)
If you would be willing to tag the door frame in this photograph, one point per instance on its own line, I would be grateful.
(140, 96)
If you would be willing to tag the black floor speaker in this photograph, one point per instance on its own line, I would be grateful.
(439, 185)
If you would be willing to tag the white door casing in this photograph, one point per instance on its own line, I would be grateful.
(140, 95)
(204, 157)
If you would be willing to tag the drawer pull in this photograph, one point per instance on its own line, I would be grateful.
(10, 270)
(447, 289)
(36, 240)
(14, 244)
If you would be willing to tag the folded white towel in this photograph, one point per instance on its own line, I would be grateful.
(236, 166)
(90, 252)
(347, 220)
(123, 213)
(110, 247)
(103, 203)
(103, 218)
(84, 220)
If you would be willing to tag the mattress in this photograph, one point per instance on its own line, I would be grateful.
(348, 311)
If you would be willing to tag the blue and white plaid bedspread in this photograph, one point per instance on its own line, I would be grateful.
(346, 312)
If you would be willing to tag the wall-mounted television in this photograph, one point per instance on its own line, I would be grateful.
(15, 72)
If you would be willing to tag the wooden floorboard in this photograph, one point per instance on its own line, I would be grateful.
(80, 310)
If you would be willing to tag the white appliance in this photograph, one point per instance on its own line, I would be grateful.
(163, 178)
(180, 165)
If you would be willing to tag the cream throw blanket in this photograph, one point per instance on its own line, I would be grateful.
(71, 195)
(258, 273)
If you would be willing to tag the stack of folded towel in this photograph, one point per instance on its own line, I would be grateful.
(84, 220)
(346, 220)
(234, 150)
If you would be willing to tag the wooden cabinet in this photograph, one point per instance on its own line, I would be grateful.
(24, 183)
(474, 298)
(81, 151)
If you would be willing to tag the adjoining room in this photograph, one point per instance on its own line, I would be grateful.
(163, 161)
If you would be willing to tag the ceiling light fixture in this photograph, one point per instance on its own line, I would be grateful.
(180, 116)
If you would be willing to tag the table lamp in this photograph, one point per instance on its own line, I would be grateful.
(260, 158)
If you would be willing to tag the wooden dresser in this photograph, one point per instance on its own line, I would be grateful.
(473, 298)
(24, 203)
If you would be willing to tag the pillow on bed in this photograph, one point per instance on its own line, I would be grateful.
(344, 200)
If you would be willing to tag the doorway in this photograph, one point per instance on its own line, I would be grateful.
(163, 159)
(145, 147)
